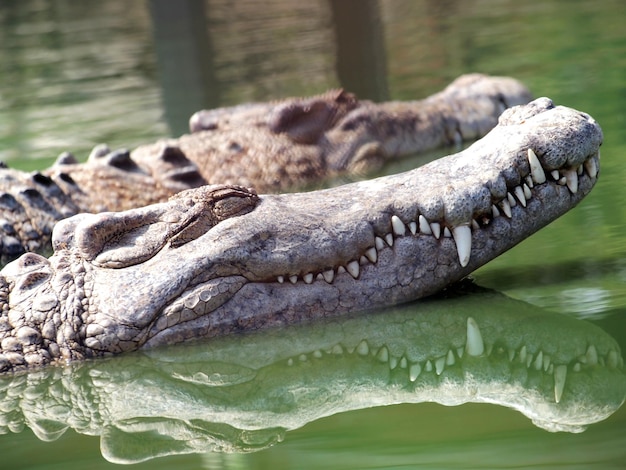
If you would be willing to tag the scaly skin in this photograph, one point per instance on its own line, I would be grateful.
(220, 259)
(270, 146)
(242, 394)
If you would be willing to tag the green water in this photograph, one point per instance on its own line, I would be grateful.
(77, 73)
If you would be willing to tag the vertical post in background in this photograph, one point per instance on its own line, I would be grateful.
(361, 58)
(184, 59)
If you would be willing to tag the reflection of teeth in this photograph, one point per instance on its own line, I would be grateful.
(474, 345)
(560, 374)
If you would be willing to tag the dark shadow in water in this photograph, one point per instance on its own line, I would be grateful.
(243, 393)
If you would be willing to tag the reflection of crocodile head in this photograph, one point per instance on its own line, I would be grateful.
(241, 394)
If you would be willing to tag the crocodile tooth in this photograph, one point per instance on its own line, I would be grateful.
(337, 349)
(580, 170)
(424, 225)
(571, 179)
(280, 279)
(463, 239)
(371, 254)
(290, 362)
(506, 208)
(547, 361)
(474, 345)
(555, 175)
(475, 225)
(529, 360)
(398, 226)
(522, 354)
(353, 269)
(592, 355)
(389, 239)
(450, 358)
(403, 363)
(527, 192)
(591, 167)
(329, 275)
(577, 367)
(538, 364)
(308, 278)
(435, 228)
(302, 358)
(363, 348)
(459, 352)
(293, 279)
(413, 227)
(519, 194)
(393, 362)
(446, 232)
(341, 270)
(511, 199)
(379, 243)
(363, 260)
(439, 365)
(536, 170)
(414, 372)
(529, 182)
(383, 354)
(428, 367)
(560, 374)
(494, 211)
(317, 354)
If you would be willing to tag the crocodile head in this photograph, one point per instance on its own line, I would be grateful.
(221, 259)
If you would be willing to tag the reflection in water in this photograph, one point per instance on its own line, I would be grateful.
(242, 394)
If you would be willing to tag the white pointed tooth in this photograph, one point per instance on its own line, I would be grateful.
(413, 227)
(371, 254)
(529, 360)
(592, 355)
(494, 211)
(424, 225)
(522, 354)
(379, 243)
(591, 167)
(506, 208)
(475, 345)
(389, 239)
(353, 268)
(475, 225)
(414, 372)
(308, 278)
(546, 362)
(428, 367)
(439, 365)
(363, 260)
(341, 270)
(363, 348)
(511, 200)
(446, 232)
(529, 181)
(450, 358)
(519, 194)
(383, 354)
(562, 181)
(463, 239)
(571, 179)
(527, 192)
(398, 226)
(560, 374)
(536, 170)
(329, 275)
(293, 279)
(393, 362)
(538, 364)
(555, 175)
(435, 228)
(580, 170)
(403, 362)
(280, 279)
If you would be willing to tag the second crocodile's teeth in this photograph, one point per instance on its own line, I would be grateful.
(474, 345)
(536, 170)
(463, 238)
(571, 179)
(560, 374)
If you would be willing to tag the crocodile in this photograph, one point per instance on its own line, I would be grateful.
(273, 147)
(245, 393)
(221, 259)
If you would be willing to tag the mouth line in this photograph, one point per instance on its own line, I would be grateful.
(517, 195)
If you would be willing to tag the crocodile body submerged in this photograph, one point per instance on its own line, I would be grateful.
(269, 146)
(221, 259)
